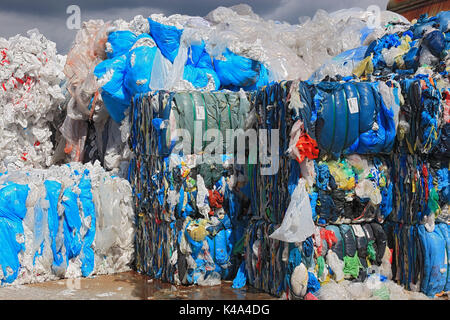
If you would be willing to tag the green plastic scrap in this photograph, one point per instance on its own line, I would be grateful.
(433, 201)
(239, 246)
(382, 293)
(352, 265)
(321, 266)
(371, 250)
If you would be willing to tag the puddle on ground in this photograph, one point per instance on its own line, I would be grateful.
(127, 286)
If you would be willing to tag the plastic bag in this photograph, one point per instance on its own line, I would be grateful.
(139, 69)
(119, 43)
(235, 70)
(167, 38)
(299, 280)
(336, 265)
(297, 224)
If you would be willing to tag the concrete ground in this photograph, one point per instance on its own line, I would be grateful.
(125, 286)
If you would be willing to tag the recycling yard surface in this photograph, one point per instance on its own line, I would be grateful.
(134, 286)
(125, 286)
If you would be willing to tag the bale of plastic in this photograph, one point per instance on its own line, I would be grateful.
(67, 221)
(31, 95)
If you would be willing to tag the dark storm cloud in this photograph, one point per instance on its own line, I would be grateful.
(18, 16)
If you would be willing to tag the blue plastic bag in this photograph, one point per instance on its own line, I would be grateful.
(198, 66)
(435, 42)
(121, 42)
(236, 70)
(13, 209)
(167, 38)
(139, 70)
(114, 95)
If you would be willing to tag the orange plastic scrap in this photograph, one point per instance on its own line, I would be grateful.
(68, 148)
(91, 115)
(307, 147)
(431, 81)
(423, 84)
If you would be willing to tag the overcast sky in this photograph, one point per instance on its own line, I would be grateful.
(49, 16)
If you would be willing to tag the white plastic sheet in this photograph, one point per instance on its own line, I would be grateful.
(297, 224)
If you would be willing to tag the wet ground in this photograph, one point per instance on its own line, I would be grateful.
(125, 286)
(132, 286)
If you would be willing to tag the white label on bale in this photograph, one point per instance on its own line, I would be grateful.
(353, 105)
(200, 111)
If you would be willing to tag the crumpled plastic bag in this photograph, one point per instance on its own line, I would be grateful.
(297, 224)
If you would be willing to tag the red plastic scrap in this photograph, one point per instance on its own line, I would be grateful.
(215, 200)
(425, 176)
(4, 60)
(329, 237)
(307, 147)
(310, 296)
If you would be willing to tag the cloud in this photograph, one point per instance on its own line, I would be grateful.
(50, 16)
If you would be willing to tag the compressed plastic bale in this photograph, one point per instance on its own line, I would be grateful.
(347, 103)
(63, 226)
(297, 224)
(32, 79)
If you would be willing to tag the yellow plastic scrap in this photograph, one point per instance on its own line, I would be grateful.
(343, 175)
(197, 230)
(403, 48)
(364, 67)
(382, 181)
